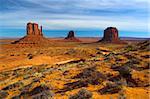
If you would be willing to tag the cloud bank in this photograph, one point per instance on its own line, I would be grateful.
(127, 15)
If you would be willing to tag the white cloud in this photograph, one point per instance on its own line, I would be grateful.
(65, 21)
(76, 15)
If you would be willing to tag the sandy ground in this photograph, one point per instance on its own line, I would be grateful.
(56, 64)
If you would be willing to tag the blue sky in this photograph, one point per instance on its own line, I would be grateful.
(90, 17)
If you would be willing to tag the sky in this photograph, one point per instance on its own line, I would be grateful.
(86, 17)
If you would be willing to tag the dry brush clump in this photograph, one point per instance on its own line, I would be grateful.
(126, 73)
(39, 92)
(143, 46)
(3, 94)
(91, 75)
(82, 94)
(87, 76)
(110, 88)
(13, 86)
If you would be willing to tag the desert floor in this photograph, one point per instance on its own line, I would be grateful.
(63, 69)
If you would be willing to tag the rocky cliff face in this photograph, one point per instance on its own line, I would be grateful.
(34, 35)
(111, 35)
(71, 37)
(32, 29)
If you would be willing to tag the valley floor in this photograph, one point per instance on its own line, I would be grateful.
(69, 70)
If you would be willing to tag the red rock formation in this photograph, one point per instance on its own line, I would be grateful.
(32, 29)
(71, 37)
(34, 35)
(111, 35)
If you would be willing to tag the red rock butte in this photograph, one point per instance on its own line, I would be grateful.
(111, 35)
(34, 35)
(71, 37)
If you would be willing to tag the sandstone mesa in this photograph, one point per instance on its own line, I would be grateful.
(34, 35)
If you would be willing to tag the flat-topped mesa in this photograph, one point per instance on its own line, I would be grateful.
(34, 35)
(33, 29)
(71, 37)
(111, 35)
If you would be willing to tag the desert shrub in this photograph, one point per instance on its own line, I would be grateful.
(125, 71)
(91, 75)
(110, 54)
(82, 94)
(144, 46)
(147, 66)
(129, 56)
(3, 94)
(73, 85)
(129, 48)
(13, 86)
(70, 52)
(26, 76)
(133, 64)
(132, 59)
(81, 64)
(121, 96)
(39, 92)
(110, 89)
(36, 80)
(125, 76)
(118, 60)
(135, 61)
(87, 76)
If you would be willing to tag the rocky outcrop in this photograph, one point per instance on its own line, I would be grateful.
(32, 29)
(71, 37)
(111, 35)
(34, 35)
